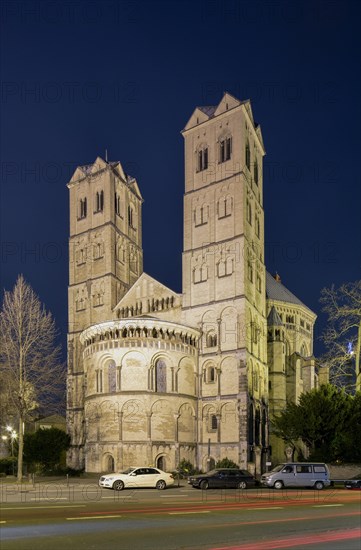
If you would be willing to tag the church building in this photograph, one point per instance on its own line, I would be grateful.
(156, 376)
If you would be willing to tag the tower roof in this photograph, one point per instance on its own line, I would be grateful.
(275, 290)
(273, 319)
(204, 113)
(208, 109)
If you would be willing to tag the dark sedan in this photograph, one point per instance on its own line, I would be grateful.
(223, 478)
(353, 484)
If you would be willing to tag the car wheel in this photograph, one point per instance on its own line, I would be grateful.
(161, 484)
(204, 484)
(118, 485)
(278, 484)
(319, 485)
(242, 485)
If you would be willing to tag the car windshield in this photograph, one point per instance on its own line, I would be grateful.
(128, 471)
(278, 468)
(212, 472)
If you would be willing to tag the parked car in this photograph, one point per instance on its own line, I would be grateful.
(133, 478)
(297, 474)
(223, 478)
(353, 484)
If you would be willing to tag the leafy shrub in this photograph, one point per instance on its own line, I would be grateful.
(8, 465)
(226, 463)
(186, 468)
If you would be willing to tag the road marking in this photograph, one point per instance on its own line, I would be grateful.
(268, 508)
(172, 496)
(325, 505)
(92, 517)
(46, 507)
(181, 513)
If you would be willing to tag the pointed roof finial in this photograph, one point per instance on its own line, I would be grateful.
(277, 277)
(106, 155)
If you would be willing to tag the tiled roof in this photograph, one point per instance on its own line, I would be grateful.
(208, 109)
(275, 290)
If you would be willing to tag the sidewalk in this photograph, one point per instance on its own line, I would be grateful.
(28, 480)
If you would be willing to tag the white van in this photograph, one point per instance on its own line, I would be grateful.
(298, 474)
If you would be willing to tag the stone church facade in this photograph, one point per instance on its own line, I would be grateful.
(156, 376)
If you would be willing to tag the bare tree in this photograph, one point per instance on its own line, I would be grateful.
(32, 374)
(342, 336)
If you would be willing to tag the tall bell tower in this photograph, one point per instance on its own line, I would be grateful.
(224, 278)
(105, 259)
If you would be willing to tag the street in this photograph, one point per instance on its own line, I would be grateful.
(57, 514)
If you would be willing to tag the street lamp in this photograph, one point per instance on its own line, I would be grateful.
(13, 435)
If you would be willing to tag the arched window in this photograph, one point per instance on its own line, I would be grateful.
(83, 208)
(160, 376)
(99, 201)
(255, 380)
(257, 427)
(255, 172)
(249, 212)
(202, 159)
(224, 206)
(211, 340)
(131, 217)
(225, 149)
(250, 425)
(209, 374)
(201, 215)
(117, 203)
(248, 155)
(112, 377)
(250, 271)
(200, 274)
(214, 422)
(264, 428)
(99, 380)
(258, 227)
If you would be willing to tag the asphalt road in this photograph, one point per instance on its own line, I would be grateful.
(60, 516)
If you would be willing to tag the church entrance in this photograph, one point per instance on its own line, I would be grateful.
(161, 463)
(110, 464)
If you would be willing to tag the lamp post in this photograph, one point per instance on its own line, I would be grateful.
(13, 435)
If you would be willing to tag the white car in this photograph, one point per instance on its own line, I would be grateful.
(133, 478)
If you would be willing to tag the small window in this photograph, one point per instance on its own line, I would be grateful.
(209, 375)
(258, 228)
(131, 221)
(249, 212)
(200, 274)
(224, 207)
(117, 203)
(83, 208)
(202, 159)
(99, 381)
(255, 172)
(214, 422)
(201, 215)
(225, 149)
(250, 272)
(248, 155)
(99, 201)
(259, 283)
(211, 340)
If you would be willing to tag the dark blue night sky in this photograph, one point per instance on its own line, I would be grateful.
(82, 77)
